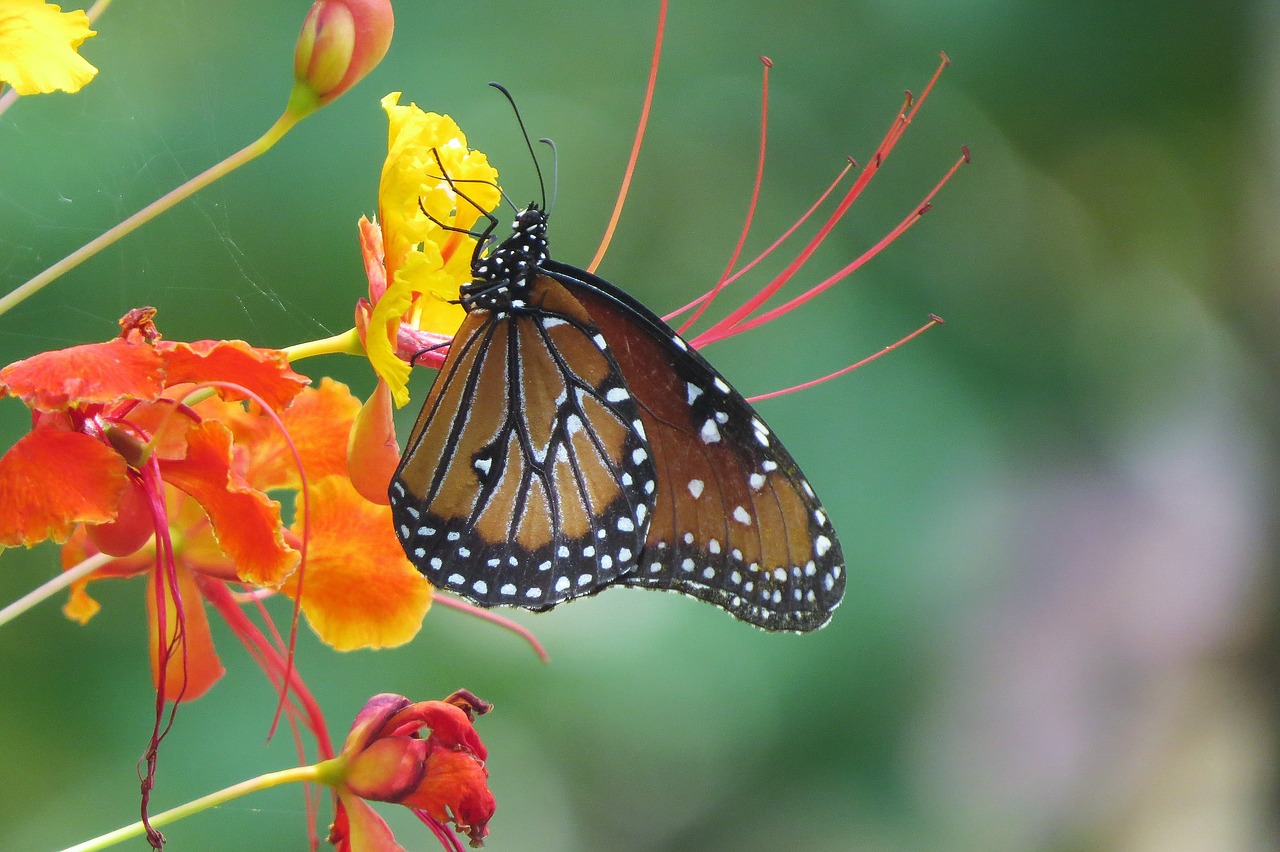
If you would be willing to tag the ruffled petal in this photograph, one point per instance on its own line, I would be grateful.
(104, 373)
(53, 479)
(38, 43)
(193, 666)
(358, 589)
(455, 788)
(266, 372)
(245, 520)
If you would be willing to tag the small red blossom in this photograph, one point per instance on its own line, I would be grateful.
(341, 42)
(442, 778)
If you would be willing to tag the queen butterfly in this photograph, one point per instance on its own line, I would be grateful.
(573, 441)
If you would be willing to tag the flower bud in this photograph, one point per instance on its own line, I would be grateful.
(341, 42)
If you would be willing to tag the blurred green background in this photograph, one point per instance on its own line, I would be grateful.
(1058, 510)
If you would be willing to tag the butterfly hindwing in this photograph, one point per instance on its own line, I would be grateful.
(735, 522)
(524, 480)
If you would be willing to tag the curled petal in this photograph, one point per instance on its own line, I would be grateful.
(245, 520)
(53, 479)
(38, 43)
(372, 252)
(372, 719)
(358, 591)
(358, 828)
(103, 373)
(450, 725)
(372, 452)
(455, 788)
(388, 769)
(266, 372)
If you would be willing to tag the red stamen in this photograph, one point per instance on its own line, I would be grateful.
(493, 618)
(305, 492)
(165, 583)
(722, 328)
(447, 838)
(844, 272)
(774, 245)
(635, 146)
(270, 660)
(751, 207)
(933, 320)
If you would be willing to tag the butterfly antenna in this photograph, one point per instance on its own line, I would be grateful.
(528, 144)
(555, 171)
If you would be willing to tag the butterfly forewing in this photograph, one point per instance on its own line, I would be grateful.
(735, 522)
(524, 480)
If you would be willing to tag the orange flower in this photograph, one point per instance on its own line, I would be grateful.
(442, 778)
(142, 440)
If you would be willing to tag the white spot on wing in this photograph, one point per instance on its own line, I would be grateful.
(821, 545)
(741, 515)
(710, 432)
(695, 488)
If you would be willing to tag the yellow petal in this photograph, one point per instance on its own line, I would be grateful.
(38, 43)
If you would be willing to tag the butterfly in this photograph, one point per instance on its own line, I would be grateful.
(572, 441)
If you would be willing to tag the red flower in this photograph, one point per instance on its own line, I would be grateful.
(142, 440)
(442, 778)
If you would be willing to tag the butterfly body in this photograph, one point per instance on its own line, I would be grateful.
(573, 441)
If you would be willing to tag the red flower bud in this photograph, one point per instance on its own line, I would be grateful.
(341, 42)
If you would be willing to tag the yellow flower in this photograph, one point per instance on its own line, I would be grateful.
(38, 43)
(424, 263)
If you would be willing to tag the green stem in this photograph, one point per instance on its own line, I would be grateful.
(254, 149)
(57, 584)
(320, 772)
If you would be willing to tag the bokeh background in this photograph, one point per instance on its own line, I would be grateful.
(1058, 510)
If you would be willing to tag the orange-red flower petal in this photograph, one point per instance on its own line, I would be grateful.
(81, 375)
(266, 372)
(245, 520)
(53, 479)
(358, 589)
(455, 788)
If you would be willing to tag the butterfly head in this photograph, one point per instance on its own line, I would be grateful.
(502, 276)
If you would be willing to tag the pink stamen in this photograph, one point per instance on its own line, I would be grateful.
(751, 207)
(493, 618)
(635, 145)
(933, 320)
(904, 117)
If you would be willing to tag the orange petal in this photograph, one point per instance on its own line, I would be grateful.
(193, 666)
(318, 422)
(245, 521)
(80, 375)
(266, 372)
(455, 789)
(372, 453)
(358, 589)
(167, 424)
(53, 479)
